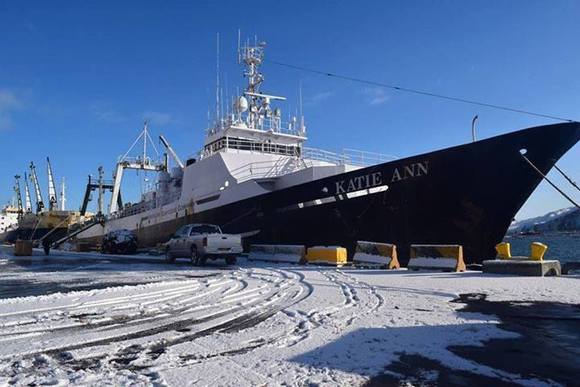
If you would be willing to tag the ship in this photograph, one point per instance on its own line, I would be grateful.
(40, 223)
(9, 216)
(254, 176)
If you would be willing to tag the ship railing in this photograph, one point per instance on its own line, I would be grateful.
(347, 157)
(283, 166)
(267, 169)
(138, 160)
(266, 124)
(137, 208)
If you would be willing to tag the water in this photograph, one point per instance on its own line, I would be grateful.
(564, 247)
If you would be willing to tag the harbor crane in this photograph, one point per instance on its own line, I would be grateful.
(34, 179)
(52, 200)
(169, 148)
(28, 202)
(18, 194)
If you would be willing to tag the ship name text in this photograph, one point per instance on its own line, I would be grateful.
(376, 179)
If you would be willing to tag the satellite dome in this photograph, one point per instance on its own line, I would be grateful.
(241, 104)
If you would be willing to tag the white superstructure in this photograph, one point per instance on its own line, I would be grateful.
(9, 218)
(246, 153)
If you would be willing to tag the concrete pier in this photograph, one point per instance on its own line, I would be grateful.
(522, 267)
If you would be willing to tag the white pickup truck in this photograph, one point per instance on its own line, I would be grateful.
(200, 242)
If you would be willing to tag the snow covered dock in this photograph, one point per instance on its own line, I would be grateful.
(83, 318)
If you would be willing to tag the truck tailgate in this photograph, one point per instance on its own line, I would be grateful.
(223, 244)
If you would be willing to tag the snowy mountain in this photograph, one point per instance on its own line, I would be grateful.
(566, 219)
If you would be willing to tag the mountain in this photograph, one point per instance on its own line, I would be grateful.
(566, 219)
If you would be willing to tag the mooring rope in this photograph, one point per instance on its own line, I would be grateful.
(550, 182)
(567, 178)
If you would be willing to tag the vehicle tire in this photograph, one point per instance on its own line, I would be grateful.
(194, 256)
(231, 260)
(169, 258)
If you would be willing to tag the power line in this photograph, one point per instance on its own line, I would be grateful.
(420, 92)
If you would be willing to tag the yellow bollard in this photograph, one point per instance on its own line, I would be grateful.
(503, 250)
(538, 251)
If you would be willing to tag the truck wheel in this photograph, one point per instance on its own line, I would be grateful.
(194, 256)
(169, 258)
(231, 260)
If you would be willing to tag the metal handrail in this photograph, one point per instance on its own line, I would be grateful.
(348, 156)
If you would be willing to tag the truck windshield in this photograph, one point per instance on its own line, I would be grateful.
(205, 229)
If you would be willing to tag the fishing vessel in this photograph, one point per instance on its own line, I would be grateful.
(38, 223)
(254, 176)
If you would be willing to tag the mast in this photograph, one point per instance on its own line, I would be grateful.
(28, 206)
(217, 87)
(101, 191)
(62, 196)
(143, 163)
(52, 201)
(38, 193)
(18, 194)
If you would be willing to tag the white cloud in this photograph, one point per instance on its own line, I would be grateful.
(104, 113)
(318, 97)
(377, 95)
(9, 103)
(157, 118)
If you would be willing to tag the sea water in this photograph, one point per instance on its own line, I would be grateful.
(562, 246)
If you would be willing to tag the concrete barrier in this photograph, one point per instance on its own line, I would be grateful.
(23, 248)
(436, 257)
(327, 255)
(376, 254)
(277, 253)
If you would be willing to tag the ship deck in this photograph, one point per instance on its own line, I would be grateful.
(85, 317)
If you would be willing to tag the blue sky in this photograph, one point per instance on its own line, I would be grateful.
(77, 79)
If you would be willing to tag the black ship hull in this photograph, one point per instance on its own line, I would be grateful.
(465, 195)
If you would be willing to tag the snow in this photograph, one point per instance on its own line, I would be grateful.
(278, 257)
(371, 258)
(527, 223)
(426, 262)
(83, 318)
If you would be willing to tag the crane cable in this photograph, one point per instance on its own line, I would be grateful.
(549, 181)
(420, 92)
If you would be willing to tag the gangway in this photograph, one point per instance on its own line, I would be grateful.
(96, 220)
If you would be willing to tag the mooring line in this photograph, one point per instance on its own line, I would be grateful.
(550, 182)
